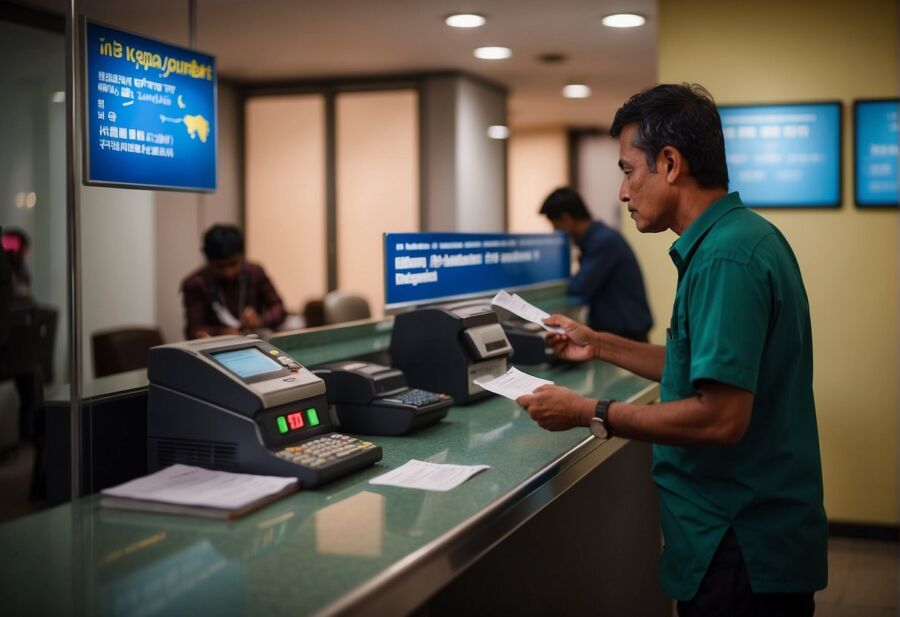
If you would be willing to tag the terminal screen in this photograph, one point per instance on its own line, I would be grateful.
(247, 362)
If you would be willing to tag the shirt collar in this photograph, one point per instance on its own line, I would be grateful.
(683, 248)
(591, 231)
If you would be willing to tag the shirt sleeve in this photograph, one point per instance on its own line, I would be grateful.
(273, 313)
(729, 311)
(195, 303)
(596, 267)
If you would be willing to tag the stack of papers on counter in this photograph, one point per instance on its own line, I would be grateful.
(183, 489)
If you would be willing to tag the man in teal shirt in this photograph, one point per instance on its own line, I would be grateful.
(736, 451)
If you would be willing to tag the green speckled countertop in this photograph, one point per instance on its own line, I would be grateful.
(304, 553)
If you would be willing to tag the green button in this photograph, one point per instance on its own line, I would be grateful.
(282, 425)
(312, 416)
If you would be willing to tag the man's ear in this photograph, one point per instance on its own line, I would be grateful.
(672, 163)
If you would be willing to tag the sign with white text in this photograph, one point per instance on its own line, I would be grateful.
(784, 155)
(150, 113)
(876, 152)
(423, 268)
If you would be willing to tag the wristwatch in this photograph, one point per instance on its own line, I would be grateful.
(599, 425)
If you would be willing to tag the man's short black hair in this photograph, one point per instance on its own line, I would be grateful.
(683, 116)
(565, 200)
(222, 242)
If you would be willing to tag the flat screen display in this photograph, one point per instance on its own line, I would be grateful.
(875, 152)
(784, 155)
(422, 268)
(247, 362)
(150, 113)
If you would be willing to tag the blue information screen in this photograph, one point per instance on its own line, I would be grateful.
(876, 152)
(150, 113)
(784, 155)
(247, 362)
(425, 267)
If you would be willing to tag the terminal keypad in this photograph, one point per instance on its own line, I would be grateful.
(416, 397)
(324, 451)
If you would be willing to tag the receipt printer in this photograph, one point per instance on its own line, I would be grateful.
(239, 404)
(373, 399)
(529, 342)
(445, 349)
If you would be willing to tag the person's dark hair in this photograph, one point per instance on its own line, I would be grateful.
(564, 200)
(222, 242)
(683, 116)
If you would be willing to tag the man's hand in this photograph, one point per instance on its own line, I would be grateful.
(577, 344)
(250, 320)
(558, 409)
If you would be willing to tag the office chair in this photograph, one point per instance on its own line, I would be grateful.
(341, 306)
(123, 349)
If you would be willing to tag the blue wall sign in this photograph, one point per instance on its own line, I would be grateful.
(427, 267)
(876, 152)
(784, 155)
(150, 113)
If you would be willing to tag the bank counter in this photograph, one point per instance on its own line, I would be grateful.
(562, 523)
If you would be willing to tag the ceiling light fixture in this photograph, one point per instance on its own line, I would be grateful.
(576, 91)
(493, 53)
(623, 20)
(465, 20)
(498, 131)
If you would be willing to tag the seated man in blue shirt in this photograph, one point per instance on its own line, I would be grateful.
(609, 278)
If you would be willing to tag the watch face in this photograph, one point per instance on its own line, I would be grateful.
(599, 429)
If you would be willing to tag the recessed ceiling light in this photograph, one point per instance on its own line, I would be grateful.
(624, 20)
(576, 91)
(498, 131)
(465, 20)
(493, 53)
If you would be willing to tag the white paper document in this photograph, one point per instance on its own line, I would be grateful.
(428, 476)
(516, 305)
(512, 384)
(195, 486)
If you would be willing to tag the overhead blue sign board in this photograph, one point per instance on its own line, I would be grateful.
(876, 152)
(784, 155)
(422, 268)
(150, 113)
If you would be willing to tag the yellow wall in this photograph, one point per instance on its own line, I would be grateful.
(538, 163)
(803, 50)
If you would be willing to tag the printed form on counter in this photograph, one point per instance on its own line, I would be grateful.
(516, 305)
(428, 476)
(512, 384)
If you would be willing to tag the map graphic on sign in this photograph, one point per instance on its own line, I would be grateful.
(150, 113)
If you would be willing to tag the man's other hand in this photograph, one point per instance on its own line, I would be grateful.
(557, 409)
(250, 320)
(577, 344)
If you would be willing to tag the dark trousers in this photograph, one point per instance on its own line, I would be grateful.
(725, 591)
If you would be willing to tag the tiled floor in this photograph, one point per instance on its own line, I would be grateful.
(862, 580)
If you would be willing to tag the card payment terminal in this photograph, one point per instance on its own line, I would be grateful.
(374, 399)
(239, 404)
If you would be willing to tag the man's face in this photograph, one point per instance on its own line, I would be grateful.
(227, 268)
(646, 192)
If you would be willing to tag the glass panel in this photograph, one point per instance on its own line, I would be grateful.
(377, 184)
(285, 194)
(537, 166)
(34, 348)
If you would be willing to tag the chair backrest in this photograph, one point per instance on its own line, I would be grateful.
(123, 349)
(341, 306)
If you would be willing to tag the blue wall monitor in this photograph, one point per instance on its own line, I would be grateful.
(149, 113)
(875, 152)
(423, 268)
(784, 155)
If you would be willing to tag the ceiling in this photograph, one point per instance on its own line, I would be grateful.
(265, 40)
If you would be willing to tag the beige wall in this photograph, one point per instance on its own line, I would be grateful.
(770, 51)
(538, 163)
(377, 184)
(285, 193)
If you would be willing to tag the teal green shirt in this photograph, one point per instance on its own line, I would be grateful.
(741, 317)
